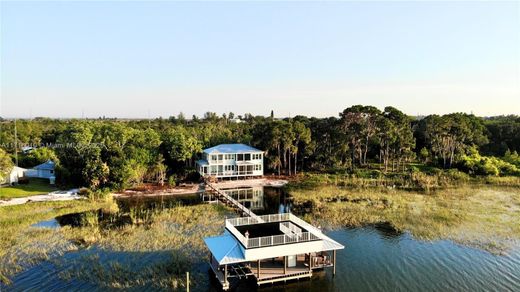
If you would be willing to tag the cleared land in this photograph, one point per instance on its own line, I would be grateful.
(36, 186)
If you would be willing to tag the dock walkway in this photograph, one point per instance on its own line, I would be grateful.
(228, 200)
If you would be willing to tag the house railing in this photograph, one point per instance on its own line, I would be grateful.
(289, 229)
(259, 219)
(280, 239)
(296, 236)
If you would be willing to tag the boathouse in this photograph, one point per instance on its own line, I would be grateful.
(270, 248)
(231, 161)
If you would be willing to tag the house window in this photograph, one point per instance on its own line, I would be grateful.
(220, 157)
(247, 157)
(240, 157)
(214, 157)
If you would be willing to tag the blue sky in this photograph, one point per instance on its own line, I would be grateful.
(134, 59)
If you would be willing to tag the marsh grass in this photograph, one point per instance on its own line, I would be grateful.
(175, 234)
(22, 245)
(155, 249)
(431, 180)
(482, 216)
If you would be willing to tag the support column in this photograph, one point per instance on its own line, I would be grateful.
(258, 270)
(334, 262)
(310, 262)
(285, 265)
(225, 273)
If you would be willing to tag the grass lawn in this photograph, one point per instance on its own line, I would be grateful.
(36, 186)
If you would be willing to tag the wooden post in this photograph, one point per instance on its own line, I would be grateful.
(258, 270)
(187, 281)
(285, 265)
(334, 262)
(310, 262)
(225, 273)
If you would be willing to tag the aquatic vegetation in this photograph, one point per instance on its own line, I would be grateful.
(174, 237)
(475, 215)
(119, 248)
(427, 179)
(22, 245)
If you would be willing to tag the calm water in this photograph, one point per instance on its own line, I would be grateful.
(375, 259)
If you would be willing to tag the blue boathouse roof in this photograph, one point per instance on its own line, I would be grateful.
(231, 148)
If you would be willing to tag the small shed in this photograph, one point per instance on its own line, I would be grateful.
(14, 175)
(44, 170)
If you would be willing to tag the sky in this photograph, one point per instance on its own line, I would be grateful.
(132, 59)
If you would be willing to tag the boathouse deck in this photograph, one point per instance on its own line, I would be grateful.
(270, 248)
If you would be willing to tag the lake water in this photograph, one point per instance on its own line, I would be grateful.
(376, 258)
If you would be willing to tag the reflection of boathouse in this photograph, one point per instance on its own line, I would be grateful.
(270, 248)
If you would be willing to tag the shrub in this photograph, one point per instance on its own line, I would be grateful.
(512, 158)
(485, 165)
(171, 180)
(458, 175)
(85, 192)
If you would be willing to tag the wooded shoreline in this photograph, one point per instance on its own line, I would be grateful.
(110, 154)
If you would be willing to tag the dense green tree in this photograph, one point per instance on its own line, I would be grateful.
(503, 134)
(38, 156)
(449, 136)
(360, 126)
(6, 165)
(121, 153)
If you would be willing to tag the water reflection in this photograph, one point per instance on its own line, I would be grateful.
(125, 204)
(261, 200)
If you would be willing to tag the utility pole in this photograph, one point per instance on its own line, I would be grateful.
(15, 143)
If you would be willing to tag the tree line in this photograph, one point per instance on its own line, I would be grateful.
(111, 153)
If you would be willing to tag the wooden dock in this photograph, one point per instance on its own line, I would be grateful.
(229, 201)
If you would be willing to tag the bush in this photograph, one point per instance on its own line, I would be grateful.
(171, 180)
(85, 192)
(486, 165)
(457, 175)
(512, 158)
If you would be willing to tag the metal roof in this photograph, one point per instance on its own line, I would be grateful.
(231, 148)
(49, 165)
(330, 244)
(225, 249)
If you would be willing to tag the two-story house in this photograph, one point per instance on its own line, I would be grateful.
(231, 160)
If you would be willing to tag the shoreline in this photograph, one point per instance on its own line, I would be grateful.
(199, 188)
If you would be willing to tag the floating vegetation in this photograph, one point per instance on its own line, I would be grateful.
(479, 216)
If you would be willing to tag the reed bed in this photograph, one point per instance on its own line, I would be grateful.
(482, 216)
(155, 248)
